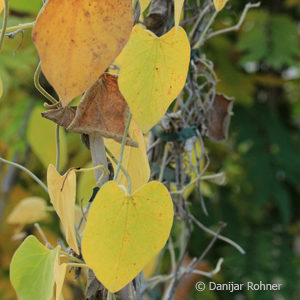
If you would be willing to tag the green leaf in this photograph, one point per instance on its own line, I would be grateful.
(270, 38)
(253, 41)
(32, 270)
(284, 42)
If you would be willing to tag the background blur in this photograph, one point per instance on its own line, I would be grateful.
(260, 67)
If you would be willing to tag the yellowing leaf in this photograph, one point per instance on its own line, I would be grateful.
(62, 191)
(60, 273)
(135, 160)
(29, 210)
(77, 40)
(219, 4)
(32, 270)
(178, 4)
(41, 137)
(124, 232)
(1, 5)
(153, 73)
(78, 218)
(144, 4)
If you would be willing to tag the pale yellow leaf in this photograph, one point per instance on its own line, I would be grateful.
(60, 273)
(77, 40)
(124, 232)
(178, 5)
(1, 5)
(135, 160)
(62, 191)
(42, 139)
(219, 4)
(78, 217)
(153, 73)
(28, 211)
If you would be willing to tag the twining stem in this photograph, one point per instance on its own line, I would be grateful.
(122, 148)
(62, 252)
(121, 167)
(200, 40)
(57, 148)
(79, 170)
(4, 22)
(163, 164)
(42, 234)
(101, 167)
(17, 27)
(238, 25)
(26, 171)
(36, 80)
(220, 237)
(77, 265)
(109, 295)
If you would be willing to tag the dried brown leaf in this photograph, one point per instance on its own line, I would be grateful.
(219, 118)
(102, 111)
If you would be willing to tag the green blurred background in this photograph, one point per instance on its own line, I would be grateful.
(260, 67)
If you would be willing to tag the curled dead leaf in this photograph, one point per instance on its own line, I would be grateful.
(102, 111)
(219, 118)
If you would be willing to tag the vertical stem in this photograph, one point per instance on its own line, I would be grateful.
(122, 148)
(57, 148)
(98, 157)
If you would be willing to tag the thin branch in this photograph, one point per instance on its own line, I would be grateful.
(203, 34)
(27, 171)
(210, 245)
(41, 232)
(18, 27)
(201, 15)
(238, 25)
(121, 167)
(163, 163)
(122, 151)
(57, 148)
(227, 240)
(36, 80)
(213, 272)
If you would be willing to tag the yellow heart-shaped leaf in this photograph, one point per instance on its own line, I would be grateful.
(219, 4)
(62, 191)
(77, 40)
(135, 160)
(124, 232)
(153, 72)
